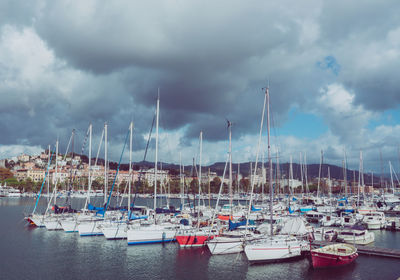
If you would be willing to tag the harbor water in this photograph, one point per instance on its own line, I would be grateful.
(34, 253)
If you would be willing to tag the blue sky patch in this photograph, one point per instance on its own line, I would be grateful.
(303, 125)
(329, 63)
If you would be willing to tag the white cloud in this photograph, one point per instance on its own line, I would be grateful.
(9, 151)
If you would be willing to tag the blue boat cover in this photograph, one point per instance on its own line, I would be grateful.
(233, 225)
(93, 208)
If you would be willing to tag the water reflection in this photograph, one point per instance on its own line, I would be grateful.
(35, 253)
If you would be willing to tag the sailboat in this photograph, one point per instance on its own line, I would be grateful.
(196, 237)
(35, 219)
(272, 247)
(117, 229)
(152, 232)
(233, 241)
(89, 224)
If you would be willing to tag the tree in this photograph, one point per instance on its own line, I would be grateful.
(11, 181)
(245, 183)
(215, 184)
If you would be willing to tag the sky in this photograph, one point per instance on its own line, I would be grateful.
(331, 67)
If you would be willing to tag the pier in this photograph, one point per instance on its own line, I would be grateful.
(365, 249)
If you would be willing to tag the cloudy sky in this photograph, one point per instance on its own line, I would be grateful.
(331, 67)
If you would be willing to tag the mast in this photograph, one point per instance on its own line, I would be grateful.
(301, 174)
(305, 171)
(291, 190)
(72, 158)
(330, 190)
(181, 179)
(278, 174)
(90, 164)
(201, 147)
(230, 167)
(362, 175)
(345, 173)
(359, 180)
(251, 173)
(105, 164)
(381, 177)
(238, 183)
(257, 153)
(209, 189)
(56, 175)
(319, 172)
(269, 163)
(156, 159)
(48, 181)
(264, 177)
(130, 169)
(391, 176)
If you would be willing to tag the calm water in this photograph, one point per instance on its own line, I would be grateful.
(35, 253)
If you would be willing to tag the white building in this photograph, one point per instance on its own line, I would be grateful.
(162, 175)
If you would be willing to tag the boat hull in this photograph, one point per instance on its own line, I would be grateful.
(90, 228)
(115, 231)
(37, 220)
(69, 225)
(331, 260)
(52, 224)
(269, 252)
(152, 234)
(225, 245)
(192, 240)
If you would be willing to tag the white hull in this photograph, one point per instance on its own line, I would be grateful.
(117, 231)
(366, 238)
(52, 224)
(14, 195)
(225, 245)
(90, 228)
(69, 225)
(38, 220)
(374, 225)
(150, 234)
(272, 249)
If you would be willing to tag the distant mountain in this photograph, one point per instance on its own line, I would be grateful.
(336, 172)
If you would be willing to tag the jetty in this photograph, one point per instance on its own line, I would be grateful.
(365, 249)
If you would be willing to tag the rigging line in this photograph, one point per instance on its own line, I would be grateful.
(116, 174)
(44, 180)
(148, 140)
(69, 143)
(80, 164)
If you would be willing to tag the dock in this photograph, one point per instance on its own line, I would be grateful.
(365, 249)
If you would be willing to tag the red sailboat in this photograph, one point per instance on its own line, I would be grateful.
(195, 237)
(333, 255)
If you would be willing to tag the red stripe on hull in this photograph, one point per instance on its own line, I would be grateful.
(192, 240)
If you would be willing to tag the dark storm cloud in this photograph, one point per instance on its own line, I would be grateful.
(209, 59)
(361, 37)
(18, 12)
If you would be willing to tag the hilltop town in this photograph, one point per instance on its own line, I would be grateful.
(27, 173)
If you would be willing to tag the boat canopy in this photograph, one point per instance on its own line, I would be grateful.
(294, 225)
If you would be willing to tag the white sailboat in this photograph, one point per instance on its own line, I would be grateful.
(273, 247)
(117, 229)
(152, 232)
(90, 225)
(233, 242)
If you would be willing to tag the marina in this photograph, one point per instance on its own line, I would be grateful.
(199, 140)
(77, 257)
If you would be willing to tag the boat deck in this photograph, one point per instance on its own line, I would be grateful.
(365, 250)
